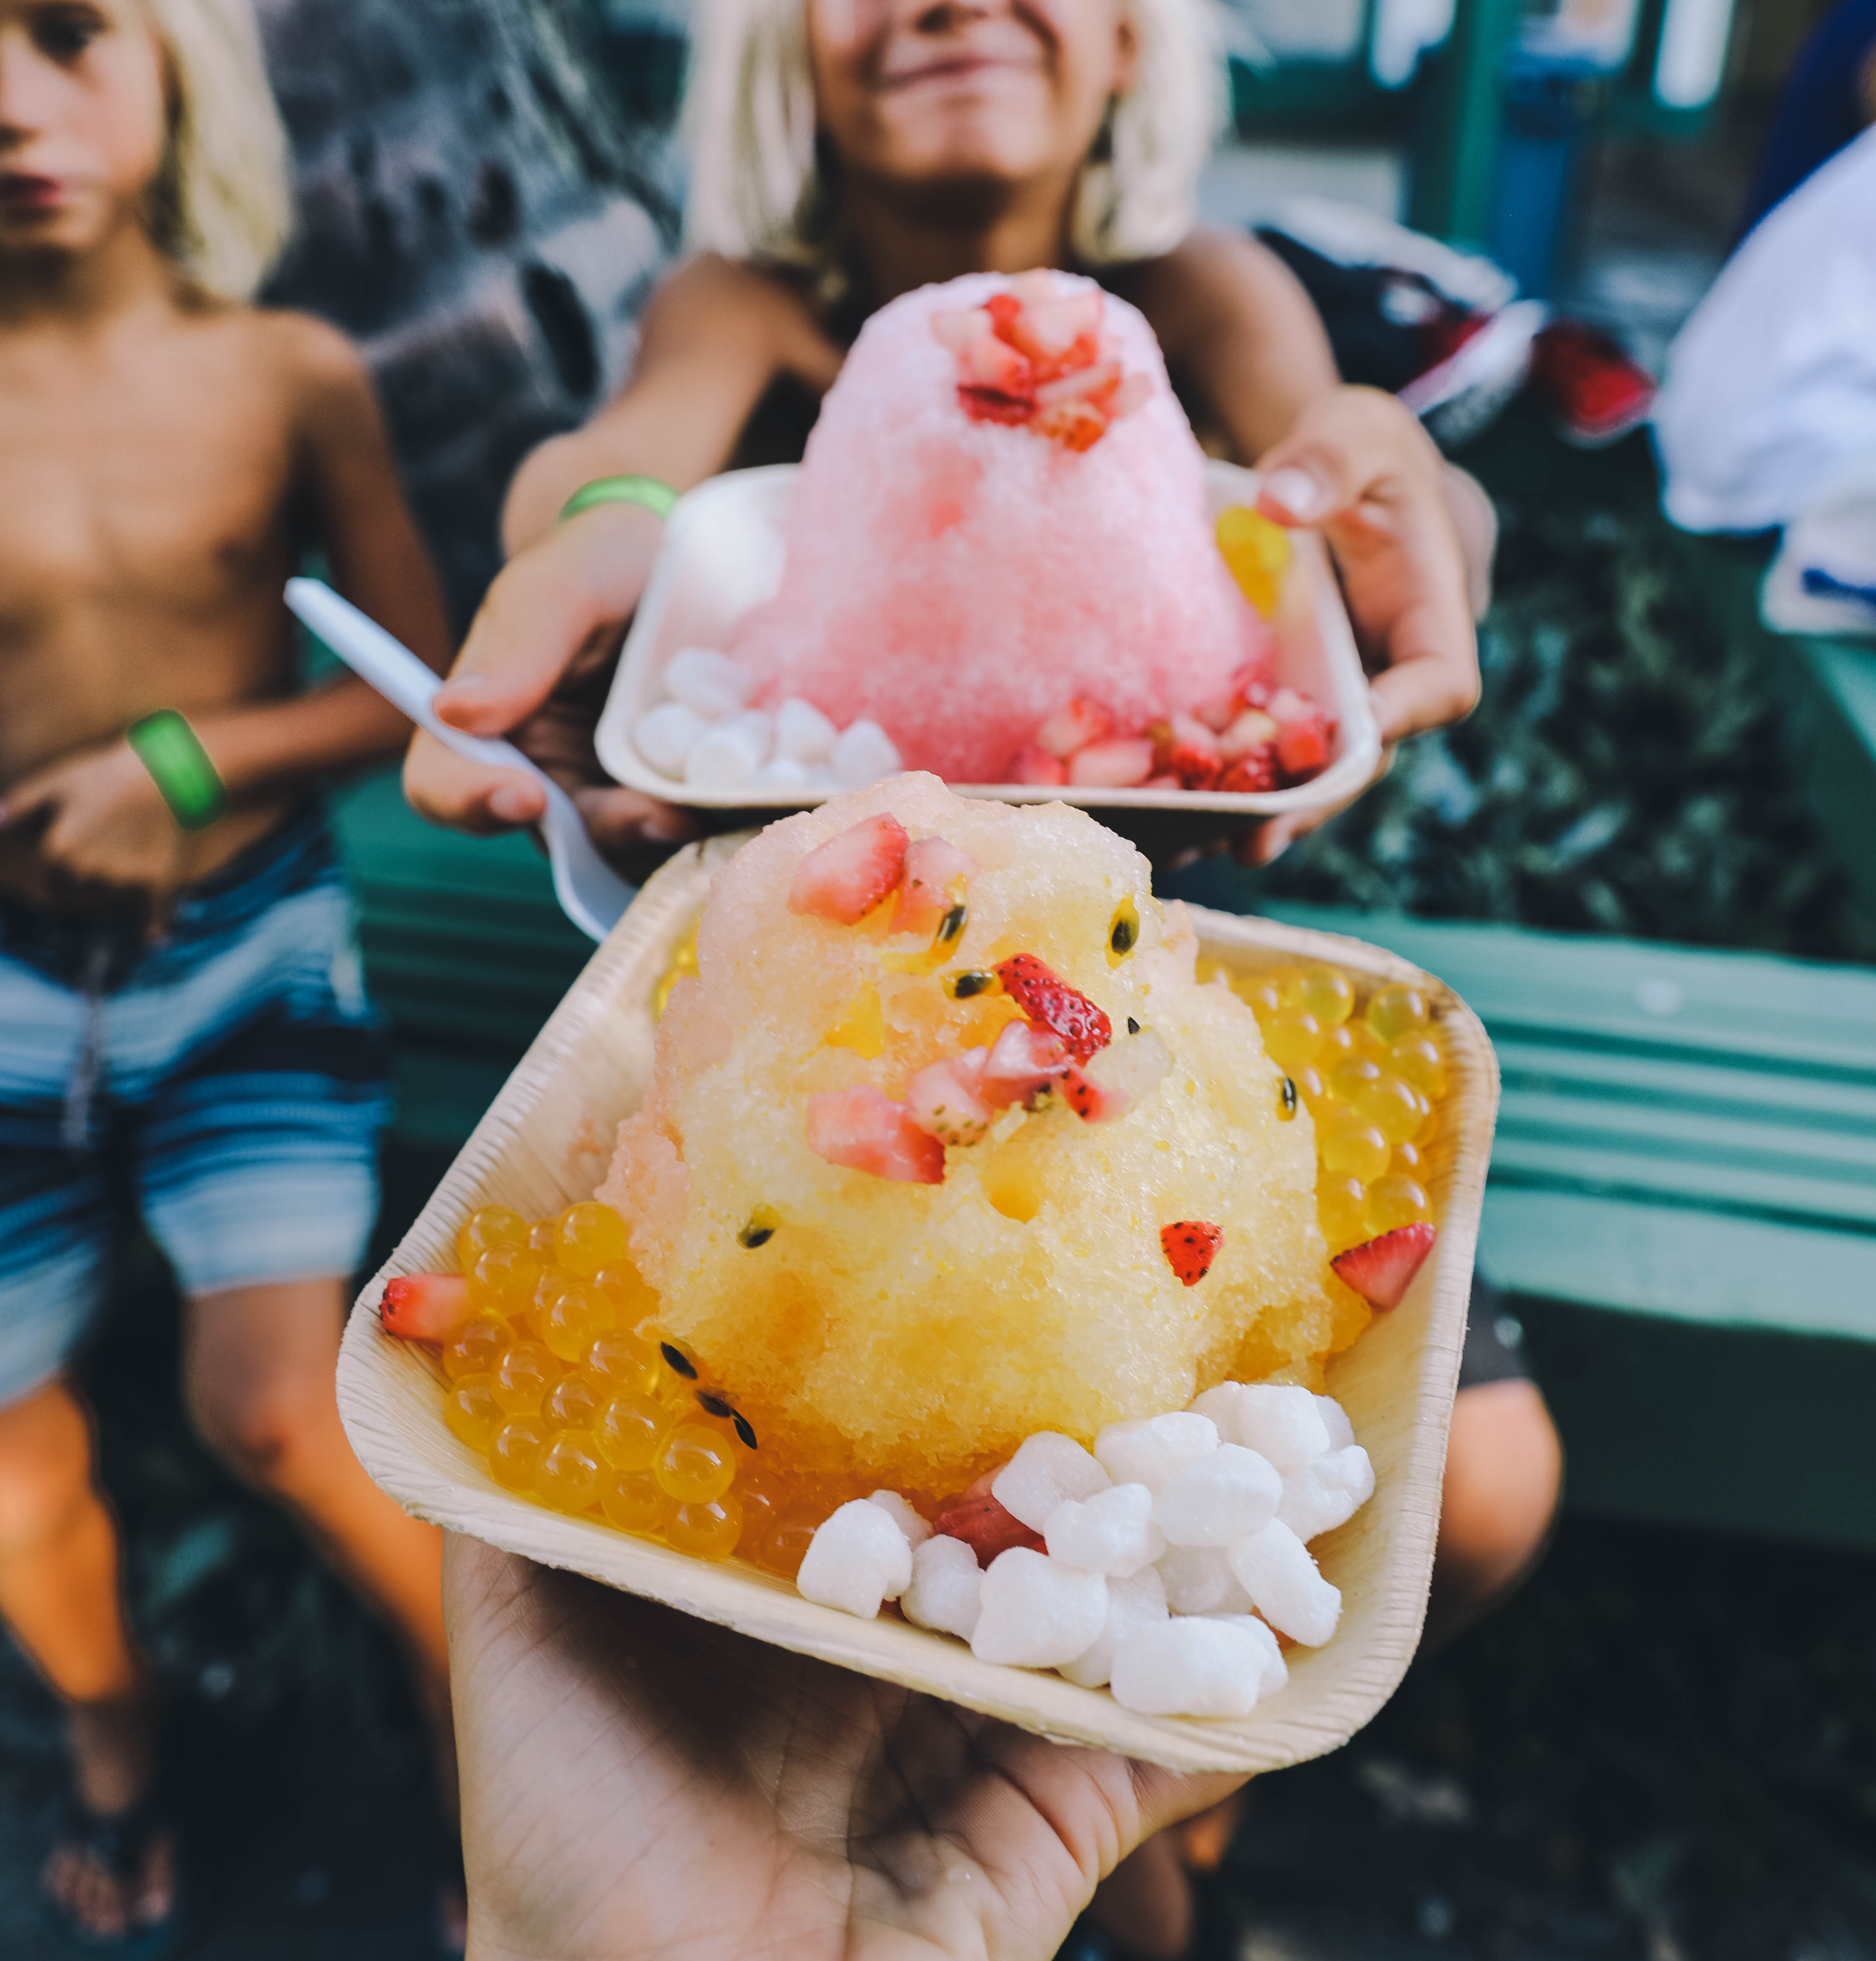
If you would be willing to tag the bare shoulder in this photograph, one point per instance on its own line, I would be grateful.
(721, 305)
(313, 356)
(1213, 280)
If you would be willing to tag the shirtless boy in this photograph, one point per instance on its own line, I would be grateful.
(186, 1004)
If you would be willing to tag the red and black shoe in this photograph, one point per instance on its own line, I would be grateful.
(1596, 393)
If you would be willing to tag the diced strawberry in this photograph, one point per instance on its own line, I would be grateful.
(1380, 1270)
(1165, 781)
(1303, 747)
(1184, 746)
(988, 362)
(1217, 716)
(1134, 392)
(1250, 729)
(934, 882)
(991, 405)
(1190, 1246)
(942, 1099)
(1291, 704)
(1046, 998)
(1078, 426)
(1034, 764)
(957, 327)
(986, 1528)
(1095, 383)
(1048, 329)
(1250, 686)
(1123, 762)
(1035, 288)
(1022, 1059)
(1004, 309)
(865, 1130)
(1081, 722)
(1092, 1101)
(845, 878)
(1252, 774)
(424, 1307)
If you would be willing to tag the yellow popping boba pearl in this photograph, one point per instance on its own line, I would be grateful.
(572, 1317)
(544, 1235)
(1352, 1148)
(1395, 1201)
(631, 1501)
(472, 1412)
(1292, 1039)
(1417, 1057)
(489, 1226)
(694, 1464)
(1323, 993)
(476, 1345)
(568, 1473)
(1310, 1087)
(622, 1360)
(1260, 992)
(1350, 1076)
(709, 1530)
(1341, 1209)
(1408, 1158)
(591, 1236)
(1394, 1106)
(514, 1450)
(629, 1429)
(521, 1374)
(571, 1403)
(1397, 1011)
(503, 1280)
(622, 1283)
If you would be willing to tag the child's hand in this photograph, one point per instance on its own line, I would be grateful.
(536, 668)
(1359, 468)
(105, 834)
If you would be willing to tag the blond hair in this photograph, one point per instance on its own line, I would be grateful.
(221, 206)
(755, 188)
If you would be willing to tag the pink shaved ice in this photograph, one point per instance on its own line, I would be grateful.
(959, 581)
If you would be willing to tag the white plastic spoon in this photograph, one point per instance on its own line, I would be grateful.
(591, 894)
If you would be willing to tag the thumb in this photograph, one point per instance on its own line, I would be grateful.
(1337, 450)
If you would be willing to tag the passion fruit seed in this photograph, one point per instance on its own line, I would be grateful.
(973, 982)
(1123, 932)
(1286, 1098)
(744, 1428)
(713, 1403)
(679, 1360)
(760, 1228)
(951, 927)
(1133, 1027)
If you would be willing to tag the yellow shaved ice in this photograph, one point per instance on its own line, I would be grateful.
(915, 1334)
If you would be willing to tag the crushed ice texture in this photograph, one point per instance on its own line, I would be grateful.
(1274, 1568)
(1191, 1667)
(857, 1559)
(1219, 1499)
(1150, 1450)
(946, 1589)
(1112, 1532)
(1037, 1612)
(1047, 1469)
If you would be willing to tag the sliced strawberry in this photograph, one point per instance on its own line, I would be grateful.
(1250, 728)
(1303, 748)
(1251, 775)
(1190, 1246)
(1004, 309)
(1218, 715)
(1093, 1102)
(1052, 329)
(1022, 1059)
(1035, 764)
(935, 874)
(845, 878)
(957, 327)
(943, 1099)
(1073, 727)
(1095, 383)
(1078, 426)
(991, 405)
(1045, 997)
(986, 1528)
(1380, 1270)
(991, 363)
(865, 1130)
(424, 1307)
(1123, 762)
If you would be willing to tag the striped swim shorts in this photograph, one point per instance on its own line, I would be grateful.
(229, 1082)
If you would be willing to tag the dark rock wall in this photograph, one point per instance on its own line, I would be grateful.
(476, 213)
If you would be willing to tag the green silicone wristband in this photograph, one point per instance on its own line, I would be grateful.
(648, 492)
(179, 766)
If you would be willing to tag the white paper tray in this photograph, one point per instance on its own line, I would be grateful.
(722, 554)
(546, 1142)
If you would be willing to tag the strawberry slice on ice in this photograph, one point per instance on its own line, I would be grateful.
(1380, 1270)
(1092, 1101)
(845, 878)
(945, 1098)
(424, 1307)
(1190, 1246)
(1073, 727)
(935, 874)
(986, 1528)
(1048, 999)
(864, 1130)
(1022, 1060)
(1035, 764)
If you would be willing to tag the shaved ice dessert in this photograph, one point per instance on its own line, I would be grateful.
(1002, 509)
(883, 985)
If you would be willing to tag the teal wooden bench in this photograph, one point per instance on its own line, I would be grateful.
(1828, 686)
(1683, 1200)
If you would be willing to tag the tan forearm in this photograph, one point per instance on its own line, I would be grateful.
(278, 745)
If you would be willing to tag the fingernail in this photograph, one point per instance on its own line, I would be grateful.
(1296, 490)
(513, 803)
